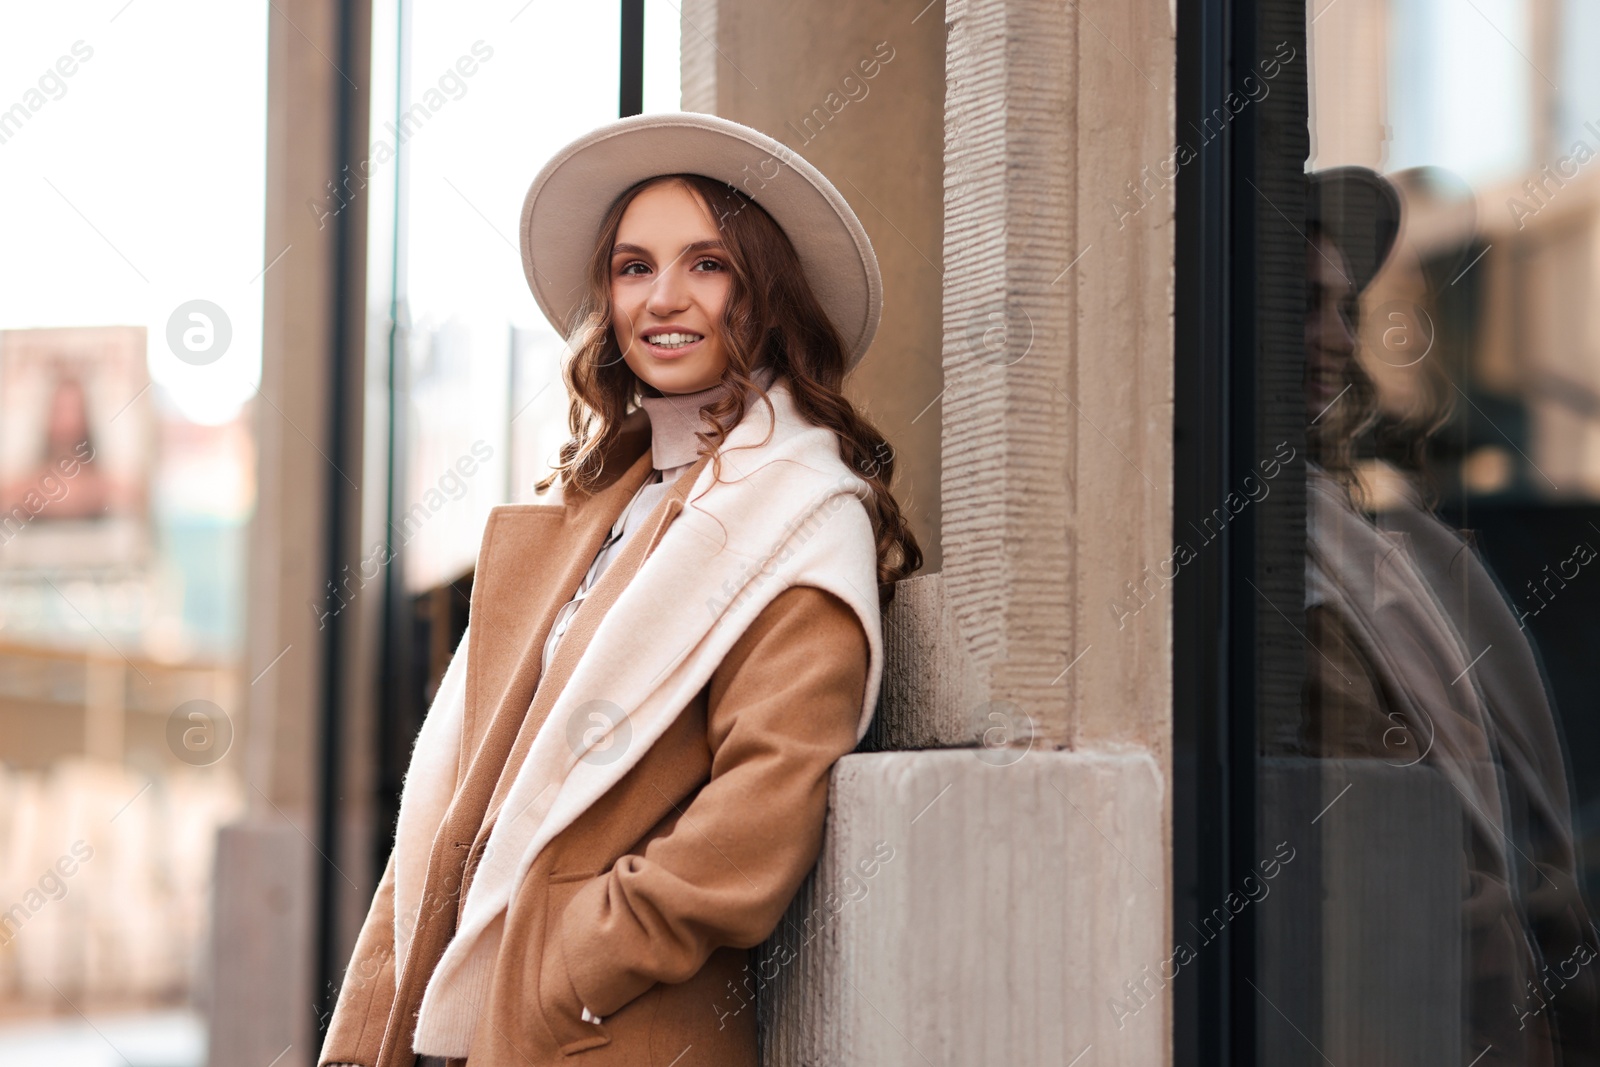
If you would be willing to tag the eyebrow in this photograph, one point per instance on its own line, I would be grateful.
(697, 246)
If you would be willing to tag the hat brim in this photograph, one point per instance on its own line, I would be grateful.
(570, 196)
(1359, 211)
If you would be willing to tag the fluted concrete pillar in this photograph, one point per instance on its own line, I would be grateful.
(1025, 914)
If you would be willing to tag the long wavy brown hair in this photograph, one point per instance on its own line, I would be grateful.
(1331, 438)
(772, 317)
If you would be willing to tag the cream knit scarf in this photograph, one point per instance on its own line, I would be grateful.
(787, 512)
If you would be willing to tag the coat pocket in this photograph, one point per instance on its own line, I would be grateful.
(623, 1038)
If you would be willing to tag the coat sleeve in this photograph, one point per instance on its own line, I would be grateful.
(367, 994)
(782, 707)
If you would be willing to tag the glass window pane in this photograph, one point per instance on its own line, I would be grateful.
(481, 381)
(1438, 783)
(133, 139)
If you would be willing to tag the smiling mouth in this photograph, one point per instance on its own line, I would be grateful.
(673, 342)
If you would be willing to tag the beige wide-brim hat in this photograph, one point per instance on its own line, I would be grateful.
(1359, 211)
(569, 199)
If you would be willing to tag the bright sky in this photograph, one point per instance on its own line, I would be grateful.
(552, 78)
(138, 185)
(1460, 81)
(140, 188)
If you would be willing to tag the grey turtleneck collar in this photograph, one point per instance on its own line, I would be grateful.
(674, 418)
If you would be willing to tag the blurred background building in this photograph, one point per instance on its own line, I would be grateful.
(132, 288)
(1480, 333)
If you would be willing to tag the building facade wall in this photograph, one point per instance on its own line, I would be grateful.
(1022, 784)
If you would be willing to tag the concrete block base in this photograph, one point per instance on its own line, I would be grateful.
(975, 906)
(262, 1009)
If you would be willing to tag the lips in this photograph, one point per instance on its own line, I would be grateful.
(671, 343)
(673, 338)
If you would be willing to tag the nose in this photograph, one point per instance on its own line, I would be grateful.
(669, 292)
(1341, 336)
(1331, 331)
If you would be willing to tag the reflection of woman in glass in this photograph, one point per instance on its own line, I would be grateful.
(66, 483)
(623, 779)
(1416, 658)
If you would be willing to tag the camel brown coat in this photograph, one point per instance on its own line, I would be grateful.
(645, 908)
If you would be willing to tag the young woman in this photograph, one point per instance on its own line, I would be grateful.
(623, 779)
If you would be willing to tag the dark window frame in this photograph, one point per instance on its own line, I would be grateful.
(409, 623)
(1238, 317)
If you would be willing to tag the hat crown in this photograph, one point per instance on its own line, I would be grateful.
(569, 198)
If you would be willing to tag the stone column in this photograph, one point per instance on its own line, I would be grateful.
(265, 939)
(859, 91)
(1003, 894)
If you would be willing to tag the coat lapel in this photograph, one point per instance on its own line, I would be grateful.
(532, 558)
(584, 623)
(530, 563)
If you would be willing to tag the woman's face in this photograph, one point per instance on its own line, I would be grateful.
(1330, 325)
(669, 285)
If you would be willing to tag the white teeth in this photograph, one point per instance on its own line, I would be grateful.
(674, 340)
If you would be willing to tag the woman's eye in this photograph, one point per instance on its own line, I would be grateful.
(710, 263)
(627, 268)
